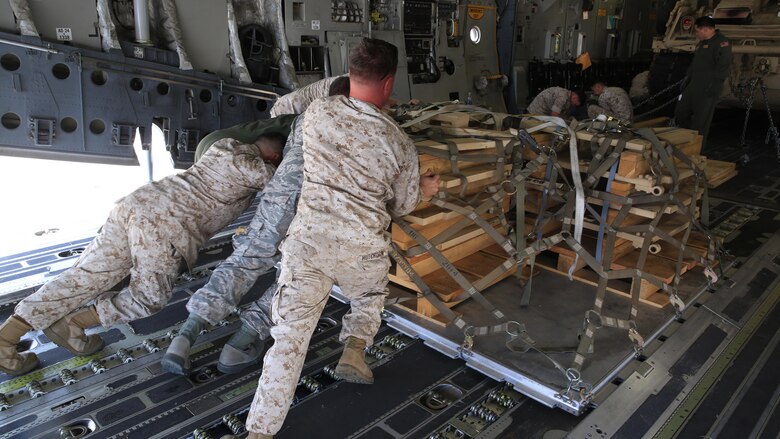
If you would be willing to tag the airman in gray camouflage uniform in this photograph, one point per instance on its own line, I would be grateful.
(255, 254)
(613, 101)
(554, 101)
(359, 169)
(147, 236)
(297, 101)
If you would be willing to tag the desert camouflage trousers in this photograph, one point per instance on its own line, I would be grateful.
(128, 244)
(595, 110)
(307, 274)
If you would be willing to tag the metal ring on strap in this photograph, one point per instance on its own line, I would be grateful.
(514, 325)
(507, 184)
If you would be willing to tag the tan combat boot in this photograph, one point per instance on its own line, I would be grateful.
(352, 365)
(253, 435)
(68, 332)
(11, 361)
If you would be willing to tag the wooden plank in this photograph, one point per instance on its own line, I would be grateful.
(479, 264)
(431, 214)
(719, 172)
(462, 235)
(648, 211)
(632, 164)
(472, 175)
(436, 318)
(464, 144)
(439, 165)
(622, 246)
(672, 224)
(676, 136)
(647, 184)
(495, 250)
(425, 264)
(586, 276)
(699, 240)
(670, 253)
(655, 265)
(473, 188)
(473, 268)
(405, 241)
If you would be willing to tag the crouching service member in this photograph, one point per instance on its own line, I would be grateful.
(149, 235)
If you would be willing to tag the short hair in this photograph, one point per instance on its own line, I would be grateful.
(581, 95)
(373, 60)
(704, 21)
(599, 81)
(276, 140)
(340, 86)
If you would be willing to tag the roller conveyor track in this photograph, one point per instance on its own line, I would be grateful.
(418, 392)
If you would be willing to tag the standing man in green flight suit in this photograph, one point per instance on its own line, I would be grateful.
(704, 82)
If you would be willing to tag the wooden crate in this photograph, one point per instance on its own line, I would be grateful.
(466, 249)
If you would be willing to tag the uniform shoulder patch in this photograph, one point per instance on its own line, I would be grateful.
(724, 44)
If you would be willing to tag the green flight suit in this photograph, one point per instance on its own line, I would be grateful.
(247, 132)
(706, 75)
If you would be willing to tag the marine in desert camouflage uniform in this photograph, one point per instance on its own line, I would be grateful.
(359, 169)
(554, 101)
(148, 235)
(297, 101)
(613, 102)
(256, 252)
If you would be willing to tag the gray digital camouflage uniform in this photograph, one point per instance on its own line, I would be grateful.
(359, 169)
(255, 252)
(613, 101)
(297, 101)
(148, 235)
(551, 100)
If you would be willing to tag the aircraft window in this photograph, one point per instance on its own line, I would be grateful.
(205, 95)
(97, 126)
(475, 34)
(99, 77)
(68, 124)
(10, 62)
(11, 120)
(261, 105)
(163, 88)
(60, 71)
(136, 84)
